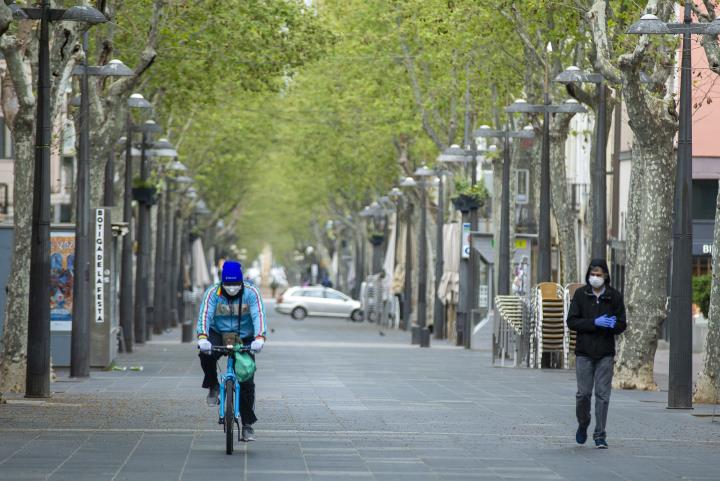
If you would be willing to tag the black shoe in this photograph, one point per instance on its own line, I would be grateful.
(601, 443)
(212, 397)
(581, 435)
(248, 433)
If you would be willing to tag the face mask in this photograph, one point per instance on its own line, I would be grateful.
(232, 290)
(597, 281)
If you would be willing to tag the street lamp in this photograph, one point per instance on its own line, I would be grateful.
(569, 107)
(136, 101)
(506, 134)
(421, 334)
(143, 241)
(37, 377)
(599, 228)
(80, 337)
(680, 315)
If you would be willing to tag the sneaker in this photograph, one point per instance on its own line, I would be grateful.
(601, 444)
(212, 397)
(248, 433)
(581, 435)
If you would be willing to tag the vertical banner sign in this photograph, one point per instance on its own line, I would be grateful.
(99, 265)
(466, 240)
(62, 275)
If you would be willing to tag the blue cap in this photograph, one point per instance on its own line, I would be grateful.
(232, 272)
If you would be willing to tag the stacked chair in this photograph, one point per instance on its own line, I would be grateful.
(508, 328)
(549, 324)
(568, 358)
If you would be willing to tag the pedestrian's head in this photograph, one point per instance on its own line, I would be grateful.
(598, 273)
(232, 277)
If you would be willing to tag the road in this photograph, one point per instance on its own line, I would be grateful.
(346, 401)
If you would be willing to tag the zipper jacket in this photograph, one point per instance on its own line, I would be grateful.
(221, 314)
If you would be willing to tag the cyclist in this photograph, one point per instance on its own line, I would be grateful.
(232, 311)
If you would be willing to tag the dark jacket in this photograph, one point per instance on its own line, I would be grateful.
(593, 341)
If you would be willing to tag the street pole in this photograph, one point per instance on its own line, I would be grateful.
(599, 225)
(424, 335)
(503, 288)
(80, 336)
(37, 378)
(439, 309)
(544, 269)
(407, 284)
(170, 259)
(109, 185)
(680, 319)
(471, 293)
(141, 276)
(126, 275)
(159, 282)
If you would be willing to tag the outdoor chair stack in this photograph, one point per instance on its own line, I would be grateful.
(570, 336)
(508, 328)
(549, 325)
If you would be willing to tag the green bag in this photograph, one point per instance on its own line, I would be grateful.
(244, 366)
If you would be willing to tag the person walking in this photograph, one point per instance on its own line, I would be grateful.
(597, 315)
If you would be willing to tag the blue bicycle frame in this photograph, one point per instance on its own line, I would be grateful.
(229, 374)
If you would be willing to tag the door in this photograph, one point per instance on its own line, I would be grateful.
(337, 303)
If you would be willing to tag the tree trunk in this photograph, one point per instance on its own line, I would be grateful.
(12, 364)
(649, 233)
(707, 388)
(563, 211)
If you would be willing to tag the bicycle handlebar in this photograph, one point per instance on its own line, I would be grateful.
(230, 348)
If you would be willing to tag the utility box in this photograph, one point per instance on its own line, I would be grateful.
(103, 322)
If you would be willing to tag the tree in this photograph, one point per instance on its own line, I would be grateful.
(19, 48)
(653, 120)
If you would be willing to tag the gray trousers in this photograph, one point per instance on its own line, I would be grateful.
(598, 373)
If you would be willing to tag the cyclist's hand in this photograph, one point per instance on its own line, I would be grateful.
(204, 345)
(257, 344)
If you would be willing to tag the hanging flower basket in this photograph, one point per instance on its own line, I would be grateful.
(145, 195)
(466, 203)
(377, 239)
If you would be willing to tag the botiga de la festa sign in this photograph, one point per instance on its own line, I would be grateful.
(99, 265)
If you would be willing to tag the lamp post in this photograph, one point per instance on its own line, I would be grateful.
(506, 134)
(438, 310)
(521, 106)
(143, 241)
(468, 262)
(408, 183)
(163, 148)
(420, 332)
(680, 315)
(80, 337)
(37, 377)
(172, 251)
(136, 101)
(599, 227)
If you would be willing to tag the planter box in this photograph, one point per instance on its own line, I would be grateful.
(145, 195)
(377, 239)
(465, 203)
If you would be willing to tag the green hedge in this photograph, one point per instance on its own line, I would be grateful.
(701, 292)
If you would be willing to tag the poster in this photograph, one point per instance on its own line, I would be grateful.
(62, 273)
(466, 240)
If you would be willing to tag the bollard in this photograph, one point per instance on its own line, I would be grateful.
(187, 331)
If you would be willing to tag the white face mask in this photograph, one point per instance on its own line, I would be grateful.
(232, 290)
(597, 281)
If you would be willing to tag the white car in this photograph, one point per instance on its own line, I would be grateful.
(300, 302)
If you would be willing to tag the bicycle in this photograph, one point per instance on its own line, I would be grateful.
(229, 405)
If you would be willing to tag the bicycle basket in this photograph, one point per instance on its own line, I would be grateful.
(244, 366)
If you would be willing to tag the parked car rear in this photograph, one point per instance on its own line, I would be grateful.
(301, 302)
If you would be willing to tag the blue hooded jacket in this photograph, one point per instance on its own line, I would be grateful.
(220, 313)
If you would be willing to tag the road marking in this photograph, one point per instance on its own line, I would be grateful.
(356, 434)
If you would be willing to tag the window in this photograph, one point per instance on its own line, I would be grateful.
(704, 198)
(334, 295)
(312, 293)
(523, 186)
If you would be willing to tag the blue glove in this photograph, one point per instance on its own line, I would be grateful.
(605, 321)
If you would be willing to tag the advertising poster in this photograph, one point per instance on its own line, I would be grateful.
(62, 270)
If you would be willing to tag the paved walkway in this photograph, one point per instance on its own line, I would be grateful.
(339, 401)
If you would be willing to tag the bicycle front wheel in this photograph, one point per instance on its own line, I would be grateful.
(229, 415)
